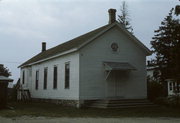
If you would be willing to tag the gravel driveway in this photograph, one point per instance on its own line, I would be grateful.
(27, 119)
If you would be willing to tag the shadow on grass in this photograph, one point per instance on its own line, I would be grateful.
(53, 110)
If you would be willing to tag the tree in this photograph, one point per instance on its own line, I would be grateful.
(177, 10)
(4, 71)
(166, 47)
(123, 18)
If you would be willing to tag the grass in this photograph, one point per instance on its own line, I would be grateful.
(52, 110)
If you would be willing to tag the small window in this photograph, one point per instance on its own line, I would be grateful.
(23, 77)
(170, 86)
(45, 77)
(55, 77)
(178, 86)
(174, 86)
(114, 47)
(67, 75)
(37, 80)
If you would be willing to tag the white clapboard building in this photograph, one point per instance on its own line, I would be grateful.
(106, 63)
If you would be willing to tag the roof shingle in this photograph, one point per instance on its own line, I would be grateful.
(64, 46)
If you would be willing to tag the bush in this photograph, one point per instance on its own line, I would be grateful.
(161, 101)
(155, 90)
(171, 101)
(12, 94)
(174, 101)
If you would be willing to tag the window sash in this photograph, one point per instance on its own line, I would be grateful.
(55, 77)
(23, 77)
(37, 80)
(67, 75)
(45, 77)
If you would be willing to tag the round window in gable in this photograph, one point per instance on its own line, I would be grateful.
(114, 46)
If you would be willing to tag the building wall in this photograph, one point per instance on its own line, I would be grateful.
(60, 93)
(93, 84)
(172, 87)
(28, 75)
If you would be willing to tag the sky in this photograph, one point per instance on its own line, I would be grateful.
(25, 24)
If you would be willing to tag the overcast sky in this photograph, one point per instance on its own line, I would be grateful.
(24, 24)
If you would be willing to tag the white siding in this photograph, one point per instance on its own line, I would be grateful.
(27, 79)
(60, 92)
(92, 76)
(87, 75)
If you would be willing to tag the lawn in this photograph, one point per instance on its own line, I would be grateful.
(52, 110)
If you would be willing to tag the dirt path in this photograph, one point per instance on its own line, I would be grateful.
(27, 119)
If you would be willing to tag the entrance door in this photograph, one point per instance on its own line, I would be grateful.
(114, 86)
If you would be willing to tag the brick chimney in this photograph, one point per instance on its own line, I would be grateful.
(43, 46)
(112, 15)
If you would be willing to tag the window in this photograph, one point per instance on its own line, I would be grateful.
(174, 86)
(23, 77)
(67, 77)
(114, 47)
(170, 86)
(45, 77)
(178, 86)
(55, 78)
(37, 80)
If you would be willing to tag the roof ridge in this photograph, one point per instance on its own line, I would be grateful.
(80, 36)
(64, 46)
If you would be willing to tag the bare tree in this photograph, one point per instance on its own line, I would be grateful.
(123, 18)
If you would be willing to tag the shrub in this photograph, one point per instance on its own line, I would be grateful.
(172, 101)
(12, 94)
(155, 90)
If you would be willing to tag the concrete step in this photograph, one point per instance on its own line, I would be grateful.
(127, 103)
(121, 107)
(122, 104)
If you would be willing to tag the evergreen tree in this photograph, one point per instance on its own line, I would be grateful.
(177, 10)
(4, 71)
(166, 47)
(123, 18)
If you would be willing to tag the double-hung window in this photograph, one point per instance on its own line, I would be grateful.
(55, 77)
(67, 75)
(45, 77)
(37, 80)
(23, 77)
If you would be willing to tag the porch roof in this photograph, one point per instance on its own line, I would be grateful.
(5, 79)
(109, 66)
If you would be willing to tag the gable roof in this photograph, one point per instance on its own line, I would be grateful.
(74, 43)
(77, 43)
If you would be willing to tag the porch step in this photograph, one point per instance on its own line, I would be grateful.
(23, 95)
(125, 103)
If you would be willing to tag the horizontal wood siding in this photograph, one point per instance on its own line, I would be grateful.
(92, 76)
(60, 93)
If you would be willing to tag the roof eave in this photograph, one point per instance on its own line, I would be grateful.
(52, 57)
(97, 35)
(148, 52)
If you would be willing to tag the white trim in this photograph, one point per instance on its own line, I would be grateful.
(97, 35)
(128, 33)
(134, 38)
(91, 39)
